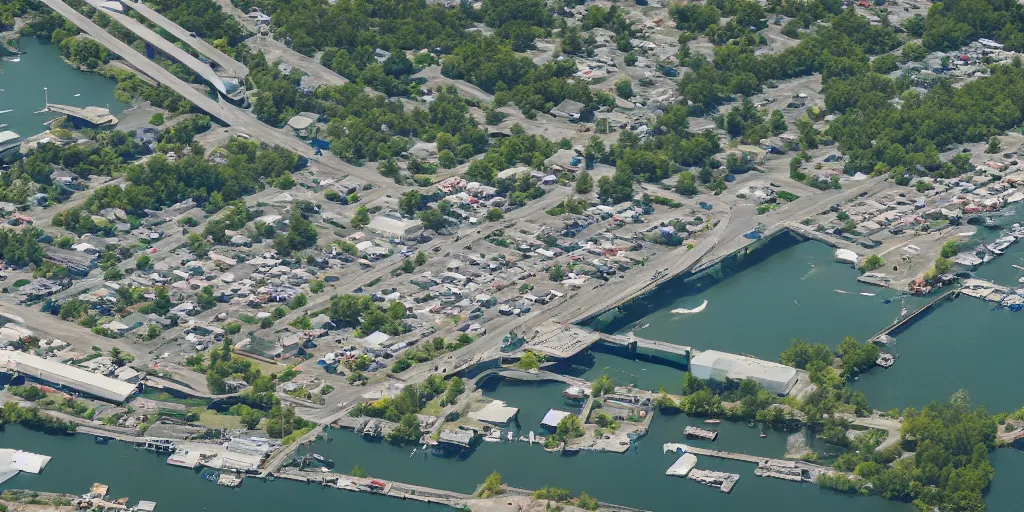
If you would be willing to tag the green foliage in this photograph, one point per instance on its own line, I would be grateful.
(552, 494)
(802, 354)
(529, 361)
(157, 119)
(949, 249)
(425, 351)
(665, 404)
(30, 393)
(358, 472)
(492, 486)
(602, 386)
(857, 356)
(301, 235)
(359, 311)
(624, 88)
(686, 184)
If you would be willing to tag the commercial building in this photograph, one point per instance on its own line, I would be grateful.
(51, 372)
(712, 364)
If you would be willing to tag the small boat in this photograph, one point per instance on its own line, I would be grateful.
(77, 95)
(509, 435)
(763, 435)
(712, 421)
(413, 453)
(533, 437)
(697, 309)
(751, 424)
(6, 111)
(867, 294)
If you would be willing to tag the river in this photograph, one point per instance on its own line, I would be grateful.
(22, 83)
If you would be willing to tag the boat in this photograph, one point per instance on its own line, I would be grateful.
(763, 435)
(697, 309)
(413, 453)
(6, 111)
(509, 435)
(77, 95)
(533, 437)
(885, 360)
(712, 421)
(867, 294)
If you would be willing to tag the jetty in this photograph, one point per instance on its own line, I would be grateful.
(724, 481)
(913, 317)
(772, 467)
(700, 433)
(97, 117)
(634, 342)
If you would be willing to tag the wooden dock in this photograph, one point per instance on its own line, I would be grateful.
(913, 317)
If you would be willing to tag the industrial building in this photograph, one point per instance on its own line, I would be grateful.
(65, 376)
(712, 364)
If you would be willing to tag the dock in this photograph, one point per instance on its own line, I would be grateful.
(700, 433)
(634, 342)
(772, 466)
(913, 317)
(683, 466)
(724, 481)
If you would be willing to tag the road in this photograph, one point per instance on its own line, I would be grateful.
(225, 113)
(199, 44)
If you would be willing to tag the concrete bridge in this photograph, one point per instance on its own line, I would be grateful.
(634, 342)
(91, 116)
(168, 48)
(232, 66)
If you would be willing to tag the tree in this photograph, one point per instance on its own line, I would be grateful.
(447, 159)
(529, 361)
(584, 183)
(556, 273)
(433, 219)
(949, 249)
(872, 262)
(142, 262)
(568, 428)
(455, 388)
(421, 258)
(492, 486)
(361, 218)
(686, 184)
(602, 386)
(801, 354)
(410, 203)
(994, 146)
(630, 59)
(358, 472)
(624, 88)
(494, 214)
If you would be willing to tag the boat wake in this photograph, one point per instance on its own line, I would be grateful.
(697, 309)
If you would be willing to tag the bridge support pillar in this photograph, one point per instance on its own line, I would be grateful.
(632, 349)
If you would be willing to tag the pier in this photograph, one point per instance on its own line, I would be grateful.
(634, 342)
(91, 116)
(700, 433)
(813, 470)
(913, 317)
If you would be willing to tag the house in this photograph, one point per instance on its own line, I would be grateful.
(394, 228)
(569, 109)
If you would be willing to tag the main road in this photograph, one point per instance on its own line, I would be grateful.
(224, 113)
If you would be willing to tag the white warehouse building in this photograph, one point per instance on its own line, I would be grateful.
(66, 376)
(712, 364)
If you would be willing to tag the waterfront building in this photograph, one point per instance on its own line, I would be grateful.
(712, 364)
(66, 376)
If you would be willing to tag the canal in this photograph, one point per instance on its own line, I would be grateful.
(22, 83)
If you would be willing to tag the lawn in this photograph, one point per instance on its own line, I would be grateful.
(213, 419)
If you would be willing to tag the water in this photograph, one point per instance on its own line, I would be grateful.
(631, 479)
(78, 462)
(788, 291)
(963, 344)
(41, 66)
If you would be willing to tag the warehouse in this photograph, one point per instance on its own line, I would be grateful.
(51, 372)
(712, 364)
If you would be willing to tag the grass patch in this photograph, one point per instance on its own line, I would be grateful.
(213, 419)
(433, 407)
(294, 436)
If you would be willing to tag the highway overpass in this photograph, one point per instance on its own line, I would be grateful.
(168, 48)
(232, 66)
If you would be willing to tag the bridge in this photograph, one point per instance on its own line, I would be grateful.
(232, 66)
(223, 113)
(913, 317)
(633, 342)
(88, 116)
(168, 48)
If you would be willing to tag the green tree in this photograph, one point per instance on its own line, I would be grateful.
(994, 146)
(624, 88)
(361, 218)
(686, 184)
(872, 262)
(529, 361)
(556, 273)
(421, 258)
(949, 249)
(602, 386)
(494, 214)
(492, 486)
(584, 183)
(358, 472)
(143, 262)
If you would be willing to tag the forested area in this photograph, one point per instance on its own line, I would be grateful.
(160, 182)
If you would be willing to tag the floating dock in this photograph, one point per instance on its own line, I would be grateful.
(724, 481)
(13, 462)
(700, 433)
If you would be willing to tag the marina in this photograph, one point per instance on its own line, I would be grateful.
(700, 433)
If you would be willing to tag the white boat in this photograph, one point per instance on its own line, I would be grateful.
(867, 294)
(712, 421)
(77, 95)
(6, 111)
(509, 435)
(844, 292)
(532, 437)
(413, 453)
(1018, 267)
(697, 309)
